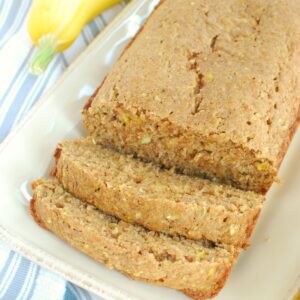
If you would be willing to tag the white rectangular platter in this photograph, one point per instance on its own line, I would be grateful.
(270, 269)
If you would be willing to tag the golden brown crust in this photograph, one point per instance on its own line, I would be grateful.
(91, 99)
(286, 143)
(36, 183)
(284, 148)
(250, 229)
(33, 213)
(56, 155)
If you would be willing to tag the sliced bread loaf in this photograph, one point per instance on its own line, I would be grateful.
(210, 87)
(158, 199)
(197, 268)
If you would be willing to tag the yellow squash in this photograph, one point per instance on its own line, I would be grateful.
(53, 25)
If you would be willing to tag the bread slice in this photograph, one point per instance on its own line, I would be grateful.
(210, 87)
(158, 199)
(197, 268)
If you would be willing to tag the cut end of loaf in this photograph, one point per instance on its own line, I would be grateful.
(131, 130)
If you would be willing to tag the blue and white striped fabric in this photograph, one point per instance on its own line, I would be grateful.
(19, 278)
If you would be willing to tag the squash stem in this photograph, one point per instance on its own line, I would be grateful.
(47, 50)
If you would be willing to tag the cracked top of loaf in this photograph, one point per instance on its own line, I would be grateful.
(227, 69)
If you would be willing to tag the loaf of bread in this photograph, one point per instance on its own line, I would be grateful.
(158, 199)
(197, 268)
(211, 87)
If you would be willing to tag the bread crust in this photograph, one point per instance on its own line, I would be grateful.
(91, 99)
(285, 145)
(251, 228)
(57, 154)
(32, 210)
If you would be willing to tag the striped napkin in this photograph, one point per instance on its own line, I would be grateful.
(19, 91)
